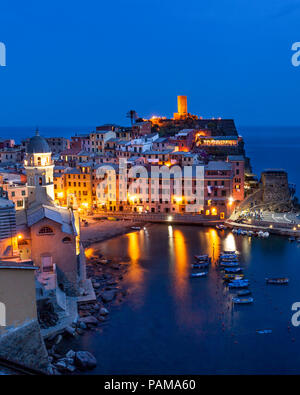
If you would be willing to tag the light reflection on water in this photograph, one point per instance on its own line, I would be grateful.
(135, 275)
(181, 264)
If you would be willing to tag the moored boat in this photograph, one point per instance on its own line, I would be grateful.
(200, 265)
(221, 227)
(228, 257)
(243, 300)
(232, 276)
(238, 284)
(244, 292)
(230, 252)
(233, 269)
(277, 280)
(136, 227)
(264, 331)
(229, 264)
(204, 258)
(200, 274)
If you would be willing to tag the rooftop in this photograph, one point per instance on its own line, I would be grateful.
(38, 145)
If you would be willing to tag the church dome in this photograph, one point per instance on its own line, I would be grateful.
(38, 145)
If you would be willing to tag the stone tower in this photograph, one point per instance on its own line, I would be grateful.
(181, 108)
(39, 170)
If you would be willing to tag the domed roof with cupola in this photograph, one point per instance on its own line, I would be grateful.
(38, 145)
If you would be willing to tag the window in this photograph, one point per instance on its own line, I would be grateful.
(46, 230)
(66, 240)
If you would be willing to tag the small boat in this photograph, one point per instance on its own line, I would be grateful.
(221, 227)
(298, 240)
(230, 252)
(200, 274)
(238, 284)
(136, 227)
(264, 331)
(228, 258)
(204, 257)
(203, 265)
(292, 238)
(232, 276)
(242, 300)
(244, 292)
(229, 264)
(233, 269)
(277, 280)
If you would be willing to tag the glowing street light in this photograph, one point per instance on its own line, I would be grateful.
(230, 200)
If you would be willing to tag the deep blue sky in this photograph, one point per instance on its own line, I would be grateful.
(74, 63)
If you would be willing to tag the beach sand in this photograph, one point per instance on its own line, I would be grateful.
(100, 230)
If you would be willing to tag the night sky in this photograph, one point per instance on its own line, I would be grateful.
(76, 63)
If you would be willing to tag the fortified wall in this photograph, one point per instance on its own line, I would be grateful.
(275, 186)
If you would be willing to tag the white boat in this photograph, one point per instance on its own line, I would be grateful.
(264, 331)
(229, 252)
(277, 280)
(228, 258)
(203, 257)
(233, 269)
(221, 227)
(199, 265)
(136, 227)
(238, 284)
(229, 264)
(200, 274)
(243, 300)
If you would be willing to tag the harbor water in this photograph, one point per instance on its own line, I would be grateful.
(172, 324)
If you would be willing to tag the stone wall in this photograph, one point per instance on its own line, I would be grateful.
(275, 186)
(25, 345)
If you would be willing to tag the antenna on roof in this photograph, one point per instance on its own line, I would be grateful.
(37, 133)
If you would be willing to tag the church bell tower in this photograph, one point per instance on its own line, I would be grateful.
(39, 171)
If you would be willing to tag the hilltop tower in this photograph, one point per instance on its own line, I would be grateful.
(39, 170)
(181, 108)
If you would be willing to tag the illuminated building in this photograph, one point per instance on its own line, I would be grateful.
(50, 234)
